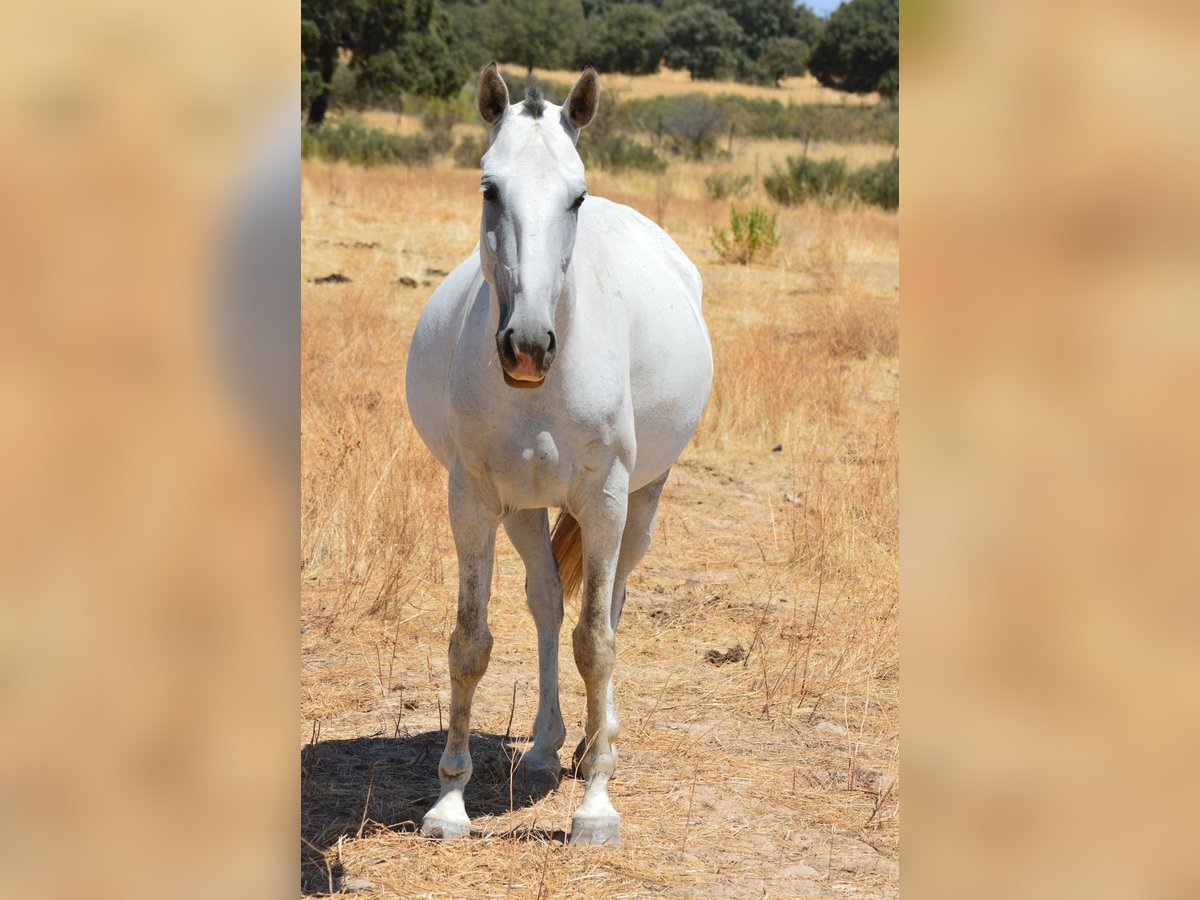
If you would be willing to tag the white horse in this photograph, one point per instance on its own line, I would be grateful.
(595, 313)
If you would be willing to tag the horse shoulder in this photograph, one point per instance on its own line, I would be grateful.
(431, 353)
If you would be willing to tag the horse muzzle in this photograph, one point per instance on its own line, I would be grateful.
(525, 358)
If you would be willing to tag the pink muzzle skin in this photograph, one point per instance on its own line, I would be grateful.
(525, 374)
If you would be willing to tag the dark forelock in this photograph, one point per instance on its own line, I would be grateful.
(534, 102)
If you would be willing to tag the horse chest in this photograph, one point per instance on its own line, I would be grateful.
(532, 461)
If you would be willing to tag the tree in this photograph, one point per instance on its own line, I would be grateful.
(859, 49)
(761, 22)
(393, 46)
(703, 41)
(783, 57)
(628, 38)
(543, 33)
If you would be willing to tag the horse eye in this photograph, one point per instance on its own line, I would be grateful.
(578, 201)
(490, 193)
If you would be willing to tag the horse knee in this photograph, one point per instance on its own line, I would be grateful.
(470, 650)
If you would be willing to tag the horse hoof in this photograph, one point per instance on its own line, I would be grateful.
(445, 829)
(593, 830)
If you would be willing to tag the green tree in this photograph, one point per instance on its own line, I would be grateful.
(859, 49)
(628, 38)
(703, 41)
(543, 33)
(472, 32)
(783, 57)
(393, 46)
(761, 22)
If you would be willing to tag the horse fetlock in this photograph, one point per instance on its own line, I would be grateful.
(455, 767)
(602, 764)
(551, 734)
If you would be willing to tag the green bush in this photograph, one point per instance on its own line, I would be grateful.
(720, 185)
(469, 151)
(617, 154)
(760, 118)
(878, 184)
(807, 179)
(554, 91)
(350, 139)
(753, 234)
(828, 182)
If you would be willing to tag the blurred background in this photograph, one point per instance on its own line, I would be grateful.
(1050, 281)
(149, 402)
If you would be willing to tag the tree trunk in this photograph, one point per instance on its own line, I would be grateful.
(320, 103)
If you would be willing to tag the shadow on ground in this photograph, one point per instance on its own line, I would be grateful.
(358, 786)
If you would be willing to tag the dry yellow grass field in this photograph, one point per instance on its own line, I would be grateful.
(775, 774)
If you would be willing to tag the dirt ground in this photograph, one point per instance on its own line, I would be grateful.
(757, 663)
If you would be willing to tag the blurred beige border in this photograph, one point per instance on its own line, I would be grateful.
(148, 524)
(147, 664)
(1051, 294)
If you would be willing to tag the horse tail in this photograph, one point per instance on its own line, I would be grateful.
(567, 542)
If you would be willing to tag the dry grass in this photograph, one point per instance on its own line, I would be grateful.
(775, 774)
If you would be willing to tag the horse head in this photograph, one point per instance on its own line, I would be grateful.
(533, 186)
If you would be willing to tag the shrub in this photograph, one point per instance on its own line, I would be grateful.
(618, 153)
(719, 185)
(688, 124)
(761, 118)
(807, 179)
(878, 184)
(554, 91)
(443, 113)
(829, 182)
(470, 151)
(754, 235)
(353, 141)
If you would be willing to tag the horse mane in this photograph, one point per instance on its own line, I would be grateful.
(534, 102)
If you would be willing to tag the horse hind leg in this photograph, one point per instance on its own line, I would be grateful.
(635, 540)
(538, 771)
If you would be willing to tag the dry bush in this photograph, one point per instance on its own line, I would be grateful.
(368, 489)
(768, 390)
(827, 258)
(855, 325)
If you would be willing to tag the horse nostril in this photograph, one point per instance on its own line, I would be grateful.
(551, 345)
(506, 347)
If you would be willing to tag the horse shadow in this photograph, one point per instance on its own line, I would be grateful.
(352, 788)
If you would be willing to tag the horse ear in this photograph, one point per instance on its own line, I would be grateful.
(583, 100)
(492, 96)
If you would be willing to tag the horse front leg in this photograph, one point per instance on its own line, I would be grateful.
(602, 523)
(639, 526)
(474, 529)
